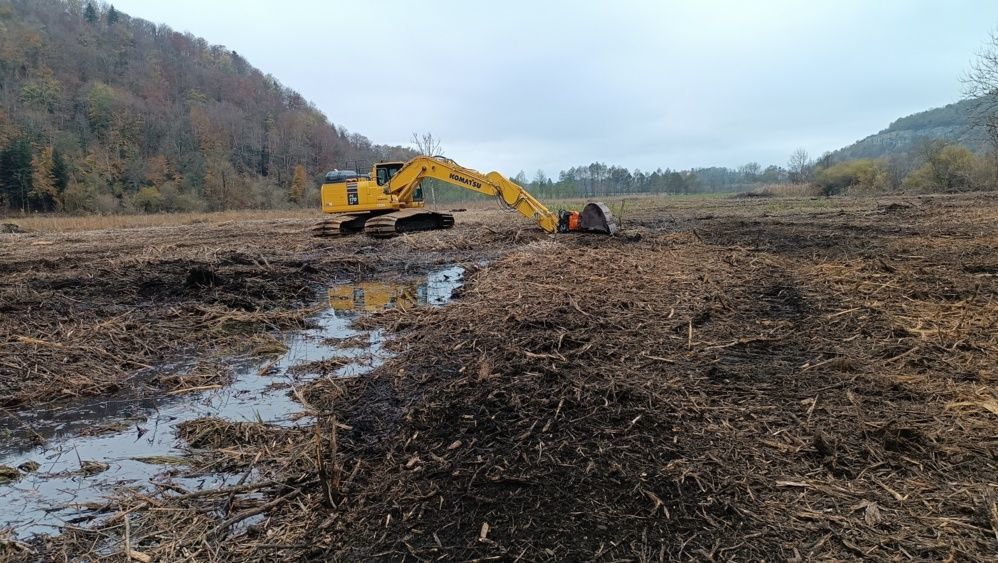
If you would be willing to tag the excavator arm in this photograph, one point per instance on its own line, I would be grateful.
(407, 179)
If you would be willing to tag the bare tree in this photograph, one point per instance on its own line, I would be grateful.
(799, 166)
(980, 84)
(428, 145)
(750, 171)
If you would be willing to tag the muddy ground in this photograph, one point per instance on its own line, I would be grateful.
(726, 379)
(84, 313)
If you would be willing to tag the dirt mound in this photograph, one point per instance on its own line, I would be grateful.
(894, 207)
(752, 195)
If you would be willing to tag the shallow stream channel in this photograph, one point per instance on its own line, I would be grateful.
(59, 461)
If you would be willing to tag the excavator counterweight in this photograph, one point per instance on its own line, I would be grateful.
(389, 200)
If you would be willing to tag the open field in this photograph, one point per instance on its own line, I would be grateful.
(68, 223)
(740, 379)
(55, 222)
(60, 223)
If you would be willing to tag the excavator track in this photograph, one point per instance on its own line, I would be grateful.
(342, 224)
(407, 221)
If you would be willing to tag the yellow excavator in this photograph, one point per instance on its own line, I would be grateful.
(389, 200)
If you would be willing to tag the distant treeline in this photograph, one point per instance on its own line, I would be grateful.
(598, 179)
(101, 112)
(934, 165)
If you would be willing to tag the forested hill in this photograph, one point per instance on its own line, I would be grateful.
(953, 123)
(100, 111)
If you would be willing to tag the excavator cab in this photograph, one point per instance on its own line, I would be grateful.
(384, 171)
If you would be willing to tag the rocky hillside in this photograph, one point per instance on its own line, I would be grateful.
(954, 123)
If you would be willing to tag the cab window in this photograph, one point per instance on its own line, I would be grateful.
(386, 173)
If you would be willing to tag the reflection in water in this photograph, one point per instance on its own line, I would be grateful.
(371, 296)
(123, 429)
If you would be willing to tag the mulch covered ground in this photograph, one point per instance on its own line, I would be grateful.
(743, 380)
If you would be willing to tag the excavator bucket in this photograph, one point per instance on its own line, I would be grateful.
(595, 217)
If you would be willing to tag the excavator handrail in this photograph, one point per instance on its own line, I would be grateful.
(495, 184)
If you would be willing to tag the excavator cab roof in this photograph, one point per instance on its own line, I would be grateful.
(340, 176)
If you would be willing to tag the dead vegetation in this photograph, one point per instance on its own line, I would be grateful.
(48, 223)
(754, 399)
(82, 313)
(738, 381)
(200, 377)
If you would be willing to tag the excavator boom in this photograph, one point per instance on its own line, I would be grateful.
(492, 184)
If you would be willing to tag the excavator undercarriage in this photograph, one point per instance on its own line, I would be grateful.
(407, 221)
(343, 224)
(384, 225)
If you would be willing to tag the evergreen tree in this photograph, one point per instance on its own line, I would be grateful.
(60, 171)
(90, 13)
(112, 16)
(15, 173)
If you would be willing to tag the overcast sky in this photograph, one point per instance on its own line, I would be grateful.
(526, 85)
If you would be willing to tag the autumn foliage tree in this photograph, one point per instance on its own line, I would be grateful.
(44, 194)
(945, 167)
(296, 193)
(91, 114)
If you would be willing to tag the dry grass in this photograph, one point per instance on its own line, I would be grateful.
(56, 223)
(69, 223)
(769, 389)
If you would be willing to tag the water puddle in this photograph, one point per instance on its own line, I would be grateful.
(93, 446)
